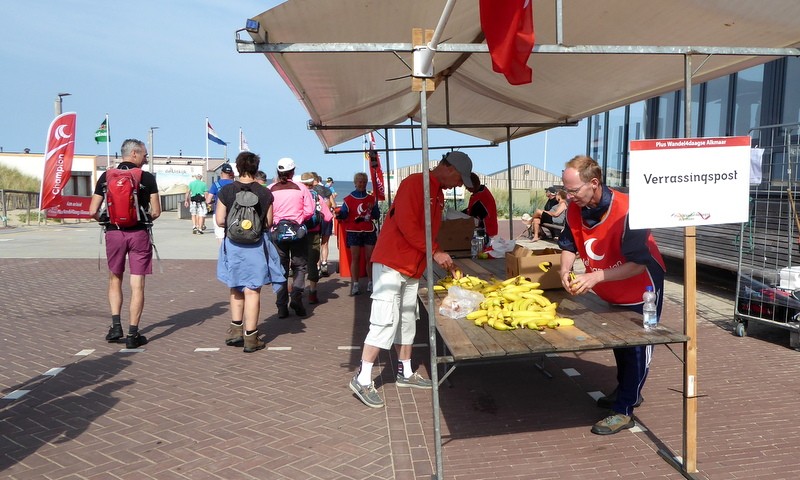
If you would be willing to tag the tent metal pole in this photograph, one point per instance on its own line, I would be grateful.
(432, 315)
(510, 196)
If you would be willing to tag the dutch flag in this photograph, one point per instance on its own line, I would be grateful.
(212, 135)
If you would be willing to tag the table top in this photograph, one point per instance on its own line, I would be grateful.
(598, 325)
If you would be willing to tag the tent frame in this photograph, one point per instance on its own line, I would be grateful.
(687, 464)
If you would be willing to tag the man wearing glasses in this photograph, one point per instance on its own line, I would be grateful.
(620, 264)
(132, 243)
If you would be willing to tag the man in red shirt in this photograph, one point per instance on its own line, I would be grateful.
(398, 261)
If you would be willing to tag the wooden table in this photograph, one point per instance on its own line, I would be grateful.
(598, 326)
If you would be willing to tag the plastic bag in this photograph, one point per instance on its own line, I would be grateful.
(459, 302)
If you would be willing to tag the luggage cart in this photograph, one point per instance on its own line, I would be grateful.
(767, 291)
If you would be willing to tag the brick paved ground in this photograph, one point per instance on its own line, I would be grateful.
(171, 411)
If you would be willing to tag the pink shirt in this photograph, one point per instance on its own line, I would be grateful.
(292, 201)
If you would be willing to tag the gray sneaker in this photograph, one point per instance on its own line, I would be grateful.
(414, 381)
(366, 393)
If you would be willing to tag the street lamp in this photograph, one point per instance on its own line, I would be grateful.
(152, 152)
(58, 102)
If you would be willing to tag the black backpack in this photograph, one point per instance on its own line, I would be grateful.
(316, 218)
(243, 223)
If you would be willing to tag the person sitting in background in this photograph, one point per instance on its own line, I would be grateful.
(555, 215)
(483, 208)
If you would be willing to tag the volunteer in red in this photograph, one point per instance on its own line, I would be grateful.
(131, 242)
(358, 213)
(483, 208)
(399, 260)
(620, 264)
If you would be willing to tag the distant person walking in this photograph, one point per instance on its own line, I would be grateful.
(195, 200)
(225, 177)
(328, 206)
(133, 243)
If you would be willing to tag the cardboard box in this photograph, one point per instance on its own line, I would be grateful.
(456, 234)
(524, 261)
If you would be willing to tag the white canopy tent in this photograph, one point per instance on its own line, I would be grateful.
(354, 88)
(343, 60)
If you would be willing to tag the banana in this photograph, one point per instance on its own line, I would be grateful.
(552, 324)
(501, 326)
(480, 321)
(545, 266)
(511, 280)
(457, 274)
(439, 288)
(477, 314)
(531, 324)
(565, 322)
(512, 297)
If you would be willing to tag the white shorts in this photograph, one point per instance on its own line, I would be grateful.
(198, 208)
(219, 232)
(393, 315)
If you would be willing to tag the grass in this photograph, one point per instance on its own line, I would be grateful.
(13, 179)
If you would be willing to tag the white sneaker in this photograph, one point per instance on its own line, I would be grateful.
(369, 287)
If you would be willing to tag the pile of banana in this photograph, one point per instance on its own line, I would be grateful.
(513, 303)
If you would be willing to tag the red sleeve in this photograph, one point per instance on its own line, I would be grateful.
(409, 216)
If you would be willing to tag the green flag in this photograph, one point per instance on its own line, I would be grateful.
(101, 135)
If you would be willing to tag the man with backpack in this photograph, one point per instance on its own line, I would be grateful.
(314, 225)
(132, 202)
(225, 177)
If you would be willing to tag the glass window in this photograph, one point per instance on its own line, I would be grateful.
(617, 149)
(791, 99)
(665, 126)
(749, 85)
(715, 117)
(695, 111)
(598, 137)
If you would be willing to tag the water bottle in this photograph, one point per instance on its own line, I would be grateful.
(476, 244)
(649, 311)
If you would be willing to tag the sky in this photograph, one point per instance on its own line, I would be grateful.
(171, 64)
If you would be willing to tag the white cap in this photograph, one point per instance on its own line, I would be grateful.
(285, 164)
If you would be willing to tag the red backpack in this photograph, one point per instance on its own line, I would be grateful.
(122, 196)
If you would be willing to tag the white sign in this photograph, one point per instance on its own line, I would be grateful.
(680, 182)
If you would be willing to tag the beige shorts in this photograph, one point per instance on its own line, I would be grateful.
(393, 315)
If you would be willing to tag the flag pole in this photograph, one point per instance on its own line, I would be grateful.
(206, 129)
(108, 142)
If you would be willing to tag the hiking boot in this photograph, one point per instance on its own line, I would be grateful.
(297, 306)
(114, 334)
(323, 269)
(609, 400)
(252, 343)
(369, 287)
(135, 341)
(354, 290)
(414, 381)
(234, 336)
(313, 299)
(613, 424)
(366, 393)
(283, 311)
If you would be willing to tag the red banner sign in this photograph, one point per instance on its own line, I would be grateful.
(69, 206)
(58, 159)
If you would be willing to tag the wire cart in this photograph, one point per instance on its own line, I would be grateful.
(768, 284)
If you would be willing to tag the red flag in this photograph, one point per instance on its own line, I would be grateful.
(375, 171)
(508, 27)
(58, 159)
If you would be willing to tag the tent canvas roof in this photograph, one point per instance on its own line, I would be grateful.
(356, 88)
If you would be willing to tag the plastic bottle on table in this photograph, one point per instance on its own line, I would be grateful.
(649, 311)
(476, 245)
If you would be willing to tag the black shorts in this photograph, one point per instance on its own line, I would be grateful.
(359, 239)
(326, 228)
